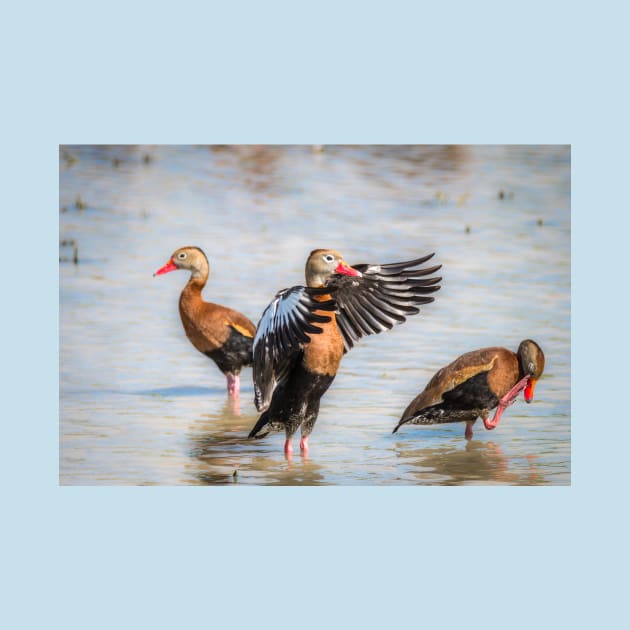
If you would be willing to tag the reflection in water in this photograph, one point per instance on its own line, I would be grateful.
(473, 461)
(224, 455)
(223, 429)
(182, 390)
(138, 406)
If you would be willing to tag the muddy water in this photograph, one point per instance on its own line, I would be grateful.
(138, 405)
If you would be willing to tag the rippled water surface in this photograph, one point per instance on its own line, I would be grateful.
(138, 405)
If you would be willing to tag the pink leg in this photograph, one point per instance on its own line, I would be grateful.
(469, 429)
(233, 384)
(510, 397)
(304, 444)
(288, 449)
(505, 402)
(491, 424)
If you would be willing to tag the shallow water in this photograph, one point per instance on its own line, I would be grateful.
(138, 405)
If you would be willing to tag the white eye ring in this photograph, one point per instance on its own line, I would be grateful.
(181, 255)
(329, 258)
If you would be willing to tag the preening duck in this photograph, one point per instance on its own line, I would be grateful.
(305, 331)
(475, 383)
(222, 334)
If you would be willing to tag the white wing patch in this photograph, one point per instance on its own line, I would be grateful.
(282, 332)
(279, 313)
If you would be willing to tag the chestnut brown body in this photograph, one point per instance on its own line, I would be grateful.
(304, 332)
(221, 333)
(474, 384)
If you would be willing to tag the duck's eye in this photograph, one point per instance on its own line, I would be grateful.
(181, 255)
(329, 258)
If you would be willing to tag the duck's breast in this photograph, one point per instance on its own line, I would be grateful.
(322, 355)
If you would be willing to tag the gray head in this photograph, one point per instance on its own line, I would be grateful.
(322, 264)
(189, 258)
(532, 363)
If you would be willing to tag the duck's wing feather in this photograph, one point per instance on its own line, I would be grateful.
(382, 296)
(282, 333)
(446, 379)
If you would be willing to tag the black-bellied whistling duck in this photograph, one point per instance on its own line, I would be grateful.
(475, 383)
(222, 334)
(304, 332)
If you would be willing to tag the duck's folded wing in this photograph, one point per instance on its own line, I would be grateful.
(282, 332)
(448, 379)
(383, 295)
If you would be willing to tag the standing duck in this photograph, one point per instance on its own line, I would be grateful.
(222, 334)
(475, 383)
(305, 331)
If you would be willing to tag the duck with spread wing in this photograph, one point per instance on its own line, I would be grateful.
(305, 331)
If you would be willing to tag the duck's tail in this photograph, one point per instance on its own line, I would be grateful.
(264, 427)
(401, 422)
(261, 428)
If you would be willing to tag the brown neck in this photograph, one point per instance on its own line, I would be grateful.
(191, 295)
(196, 282)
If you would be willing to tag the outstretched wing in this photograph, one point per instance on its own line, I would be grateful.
(383, 295)
(282, 333)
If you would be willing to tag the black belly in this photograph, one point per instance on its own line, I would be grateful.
(234, 354)
(295, 404)
(467, 401)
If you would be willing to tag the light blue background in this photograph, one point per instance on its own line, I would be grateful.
(276, 72)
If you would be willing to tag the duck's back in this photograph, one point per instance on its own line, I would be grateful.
(495, 368)
(219, 332)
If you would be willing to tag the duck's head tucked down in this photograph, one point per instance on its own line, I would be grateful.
(322, 264)
(189, 258)
(532, 364)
